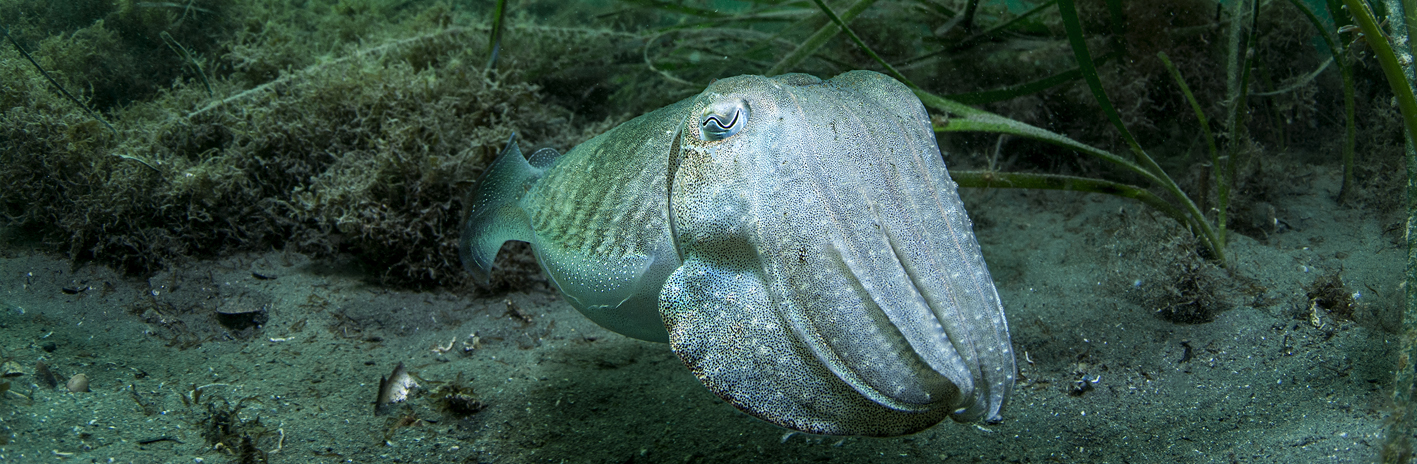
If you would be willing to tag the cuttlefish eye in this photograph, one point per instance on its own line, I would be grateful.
(722, 119)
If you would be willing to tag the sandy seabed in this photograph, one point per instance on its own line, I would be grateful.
(1085, 279)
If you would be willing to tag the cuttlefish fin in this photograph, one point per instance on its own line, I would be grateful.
(495, 213)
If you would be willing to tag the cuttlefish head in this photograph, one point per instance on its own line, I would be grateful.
(831, 282)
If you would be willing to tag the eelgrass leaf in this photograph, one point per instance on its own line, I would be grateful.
(187, 55)
(1198, 222)
(982, 121)
(1039, 181)
(1387, 60)
(1345, 72)
(993, 31)
(1203, 122)
(494, 39)
(819, 38)
(1195, 106)
(937, 8)
(677, 8)
(1089, 73)
(1027, 88)
(854, 38)
(1298, 83)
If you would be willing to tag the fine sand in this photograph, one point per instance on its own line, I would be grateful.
(1092, 287)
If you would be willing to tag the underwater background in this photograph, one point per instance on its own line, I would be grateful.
(223, 223)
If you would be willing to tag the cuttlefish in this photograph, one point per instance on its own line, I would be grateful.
(797, 242)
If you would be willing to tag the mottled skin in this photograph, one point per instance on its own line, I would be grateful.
(799, 239)
(596, 218)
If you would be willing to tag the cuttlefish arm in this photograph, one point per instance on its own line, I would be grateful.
(831, 282)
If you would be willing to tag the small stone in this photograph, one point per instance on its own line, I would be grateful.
(78, 383)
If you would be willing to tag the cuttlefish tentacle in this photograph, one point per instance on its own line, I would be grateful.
(798, 242)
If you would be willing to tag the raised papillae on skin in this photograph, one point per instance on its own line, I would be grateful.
(798, 242)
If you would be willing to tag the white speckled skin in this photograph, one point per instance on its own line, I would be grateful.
(810, 258)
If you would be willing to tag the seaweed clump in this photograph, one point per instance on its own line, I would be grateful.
(1183, 288)
(1190, 298)
(1328, 292)
(226, 431)
(112, 49)
(456, 399)
(366, 153)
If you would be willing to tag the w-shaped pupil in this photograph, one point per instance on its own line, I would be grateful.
(713, 123)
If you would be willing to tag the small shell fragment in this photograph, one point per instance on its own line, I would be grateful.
(78, 383)
(11, 369)
(394, 388)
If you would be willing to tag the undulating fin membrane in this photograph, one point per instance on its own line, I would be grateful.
(495, 214)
